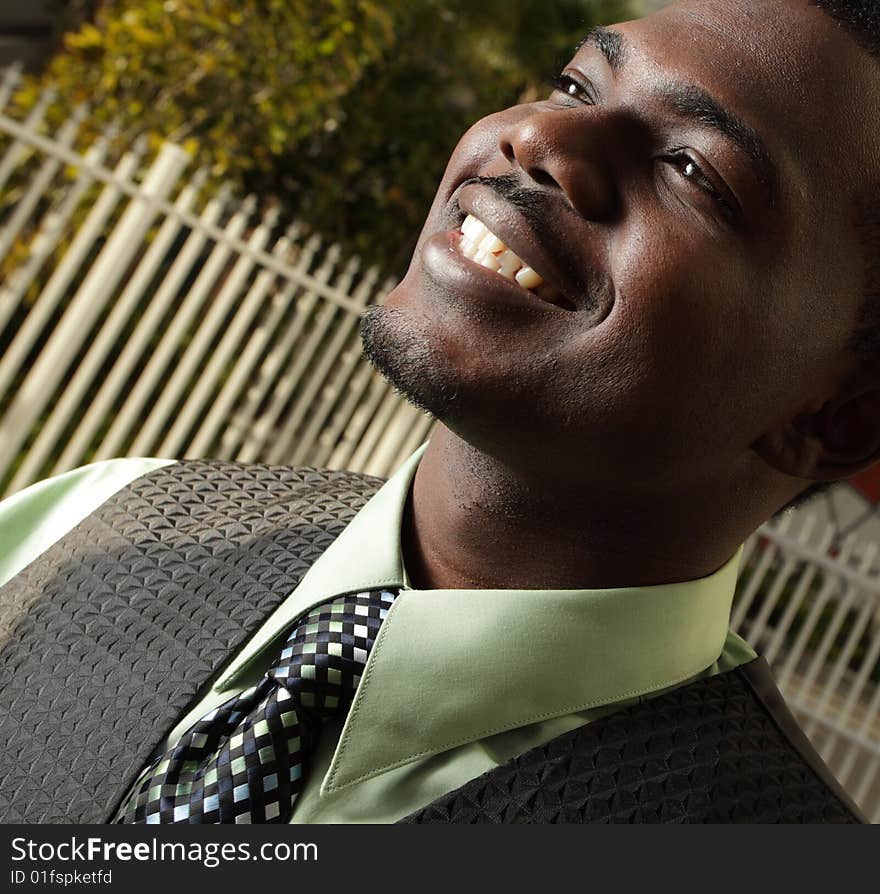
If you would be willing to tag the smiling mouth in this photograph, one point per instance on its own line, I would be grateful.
(480, 245)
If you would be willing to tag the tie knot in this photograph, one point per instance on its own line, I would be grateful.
(323, 659)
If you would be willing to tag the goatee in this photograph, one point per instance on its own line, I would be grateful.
(405, 359)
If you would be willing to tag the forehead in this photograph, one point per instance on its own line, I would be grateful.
(783, 66)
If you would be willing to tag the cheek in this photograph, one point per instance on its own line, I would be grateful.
(674, 353)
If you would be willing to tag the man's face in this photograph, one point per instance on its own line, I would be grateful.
(688, 197)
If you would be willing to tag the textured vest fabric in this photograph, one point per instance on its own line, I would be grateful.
(723, 749)
(114, 631)
(117, 629)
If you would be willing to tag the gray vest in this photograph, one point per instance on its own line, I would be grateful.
(114, 632)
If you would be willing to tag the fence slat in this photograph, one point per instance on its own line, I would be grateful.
(222, 406)
(364, 406)
(11, 78)
(769, 553)
(330, 416)
(85, 306)
(829, 589)
(298, 447)
(868, 721)
(789, 565)
(240, 426)
(134, 350)
(343, 362)
(376, 424)
(184, 319)
(54, 290)
(854, 696)
(808, 574)
(307, 365)
(419, 434)
(850, 597)
(174, 442)
(25, 206)
(20, 149)
(224, 356)
(829, 689)
(860, 791)
(102, 344)
(284, 386)
(51, 231)
(390, 435)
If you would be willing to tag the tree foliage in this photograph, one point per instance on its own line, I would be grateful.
(344, 110)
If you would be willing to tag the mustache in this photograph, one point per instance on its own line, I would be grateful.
(529, 202)
(533, 206)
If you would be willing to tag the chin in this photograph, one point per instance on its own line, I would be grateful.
(402, 351)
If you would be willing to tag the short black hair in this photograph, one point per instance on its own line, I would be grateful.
(861, 19)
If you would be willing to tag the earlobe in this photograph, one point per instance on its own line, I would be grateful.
(851, 433)
(792, 449)
(836, 442)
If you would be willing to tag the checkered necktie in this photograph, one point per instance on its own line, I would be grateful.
(246, 761)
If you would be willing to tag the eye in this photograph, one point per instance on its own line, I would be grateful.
(570, 86)
(690, 170)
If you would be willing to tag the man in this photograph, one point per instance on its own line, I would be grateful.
(643, 311)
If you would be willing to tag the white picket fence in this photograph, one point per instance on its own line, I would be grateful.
(147, 319)
(813, 611)
(139, 316)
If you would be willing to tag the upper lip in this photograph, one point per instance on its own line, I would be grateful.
(509, 225)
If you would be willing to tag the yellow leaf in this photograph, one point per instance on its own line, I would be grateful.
(87, 36)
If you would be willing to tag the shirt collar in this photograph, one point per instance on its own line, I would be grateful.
(454, 666)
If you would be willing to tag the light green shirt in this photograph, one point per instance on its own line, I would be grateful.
(459, 681)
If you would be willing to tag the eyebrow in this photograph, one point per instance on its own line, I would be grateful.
(612, 45)
(695, 104)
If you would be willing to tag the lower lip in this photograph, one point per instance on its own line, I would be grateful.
(448, 267)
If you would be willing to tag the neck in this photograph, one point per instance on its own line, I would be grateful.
(471, 522)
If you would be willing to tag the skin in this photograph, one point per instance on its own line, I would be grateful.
(704, 378)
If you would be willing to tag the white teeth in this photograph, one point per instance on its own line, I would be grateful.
(509, 264)
(467, 245)
(485, 258)
(471, 226)
(492, 243)
(480, 244)
(486, 244)
(528, 279)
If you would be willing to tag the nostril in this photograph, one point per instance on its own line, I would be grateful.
(521, 153)
(539, 175)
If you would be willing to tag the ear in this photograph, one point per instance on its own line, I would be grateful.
(836, 441)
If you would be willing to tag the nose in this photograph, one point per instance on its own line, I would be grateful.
(568, 150)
